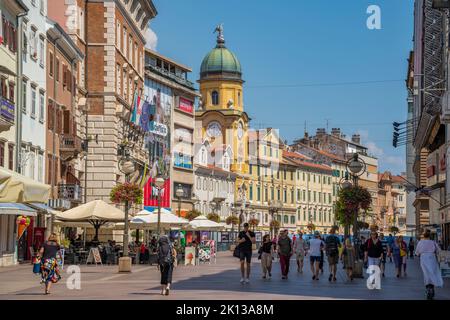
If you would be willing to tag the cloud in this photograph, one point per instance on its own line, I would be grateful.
(395, 164)
(151, 39)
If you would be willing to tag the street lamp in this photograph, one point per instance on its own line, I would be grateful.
(274, 207)
(159, 183)
(179, 193)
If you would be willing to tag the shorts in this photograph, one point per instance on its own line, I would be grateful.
(333, 259)
(245, 255)
(313, 259)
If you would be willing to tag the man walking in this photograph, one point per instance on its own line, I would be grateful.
(300, 249)
(245, 242)
(285, 252)
(332, 249)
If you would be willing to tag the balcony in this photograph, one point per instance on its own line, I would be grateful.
(70, 192)
(70, 146)
(7, 110)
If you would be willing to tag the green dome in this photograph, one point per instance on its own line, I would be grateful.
(220, 60)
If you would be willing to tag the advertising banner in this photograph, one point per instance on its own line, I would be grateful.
(189, 259)
(151, 194)
(7, 109)
(186, 105)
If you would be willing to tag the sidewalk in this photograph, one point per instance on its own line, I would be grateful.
(215, 281)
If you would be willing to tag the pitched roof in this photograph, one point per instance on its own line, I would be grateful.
(295, 155)
(312, 165)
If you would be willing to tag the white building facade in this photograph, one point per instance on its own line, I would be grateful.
(32, 88)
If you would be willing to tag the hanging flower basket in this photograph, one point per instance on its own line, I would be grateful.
(253, 222)
(373, 227)
(232, 220)
(311, 227)
(275, 224)
(126, 192)
(214, 217)
(191, 215)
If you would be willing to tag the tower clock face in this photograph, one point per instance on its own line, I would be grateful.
(240, 131)
(214, 129)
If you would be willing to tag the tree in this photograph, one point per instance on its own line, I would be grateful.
(191, 215)
(214, 217)
(350, 201)
(394, 230)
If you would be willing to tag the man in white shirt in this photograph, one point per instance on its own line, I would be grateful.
(316, 246)
(300, 248)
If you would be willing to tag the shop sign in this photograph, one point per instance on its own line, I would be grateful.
(158, 128)
(186, 105)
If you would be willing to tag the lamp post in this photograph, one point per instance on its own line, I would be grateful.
(159, 183)
(179, 193)
(274, 207)
(356, 166)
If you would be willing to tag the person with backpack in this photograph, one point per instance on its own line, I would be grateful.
(332, 249)
(285, 253)
(166, 261)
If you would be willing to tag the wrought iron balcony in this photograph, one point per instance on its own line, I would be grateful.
(70, 146)
(71, 192)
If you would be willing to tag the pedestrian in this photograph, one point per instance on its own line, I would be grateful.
(266, 252)
(49, 265)
(399, 254)
(285, 252)
(300, 249)
(390, 240)
(332, 249)
(386, 252)
(348, 257)
(428, 251)
(166, 262)
(362, 250)
(411, 248)
(322, 256)
(316, 246)
(245, 243)
(373, 250)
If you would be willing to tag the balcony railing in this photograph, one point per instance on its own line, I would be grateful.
(71, 192)
(70, 145)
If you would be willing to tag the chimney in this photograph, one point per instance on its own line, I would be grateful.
(356, 138)
(336, 132)
(320, 132)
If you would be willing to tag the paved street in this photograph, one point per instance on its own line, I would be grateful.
(214, 281)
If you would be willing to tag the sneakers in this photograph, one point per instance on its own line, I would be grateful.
(330, 277)
(270, 275)
(247, 280)
(242, 280)
(264, 276)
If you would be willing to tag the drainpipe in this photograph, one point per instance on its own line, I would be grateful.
(18, 111)
(55, 95)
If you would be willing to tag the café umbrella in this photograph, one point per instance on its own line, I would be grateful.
(202, 223)
(149, 220)
(96, 212)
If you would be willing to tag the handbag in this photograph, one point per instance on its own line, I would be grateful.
(260, 251)
(237, 252)
(37, 265)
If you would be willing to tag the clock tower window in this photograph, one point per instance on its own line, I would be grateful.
(215, 98)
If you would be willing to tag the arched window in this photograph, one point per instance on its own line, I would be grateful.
(215, 97)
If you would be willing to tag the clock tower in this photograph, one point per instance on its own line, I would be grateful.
(220, 118)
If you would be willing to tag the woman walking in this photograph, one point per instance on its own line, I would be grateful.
(266, 257)
(49, 264)
(399, 255)
(348, 256)
(166, 260)
(428, 251)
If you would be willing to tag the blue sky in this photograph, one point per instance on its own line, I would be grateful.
(295, 56)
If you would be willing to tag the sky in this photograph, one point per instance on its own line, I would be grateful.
(313, 62)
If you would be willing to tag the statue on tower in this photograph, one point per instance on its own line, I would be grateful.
(220, 37)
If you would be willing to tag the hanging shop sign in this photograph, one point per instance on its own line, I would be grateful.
(186, 105)
(158, 128)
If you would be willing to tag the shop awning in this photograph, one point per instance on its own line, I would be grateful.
(43, 207)
(15, 188)
(16, 209)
